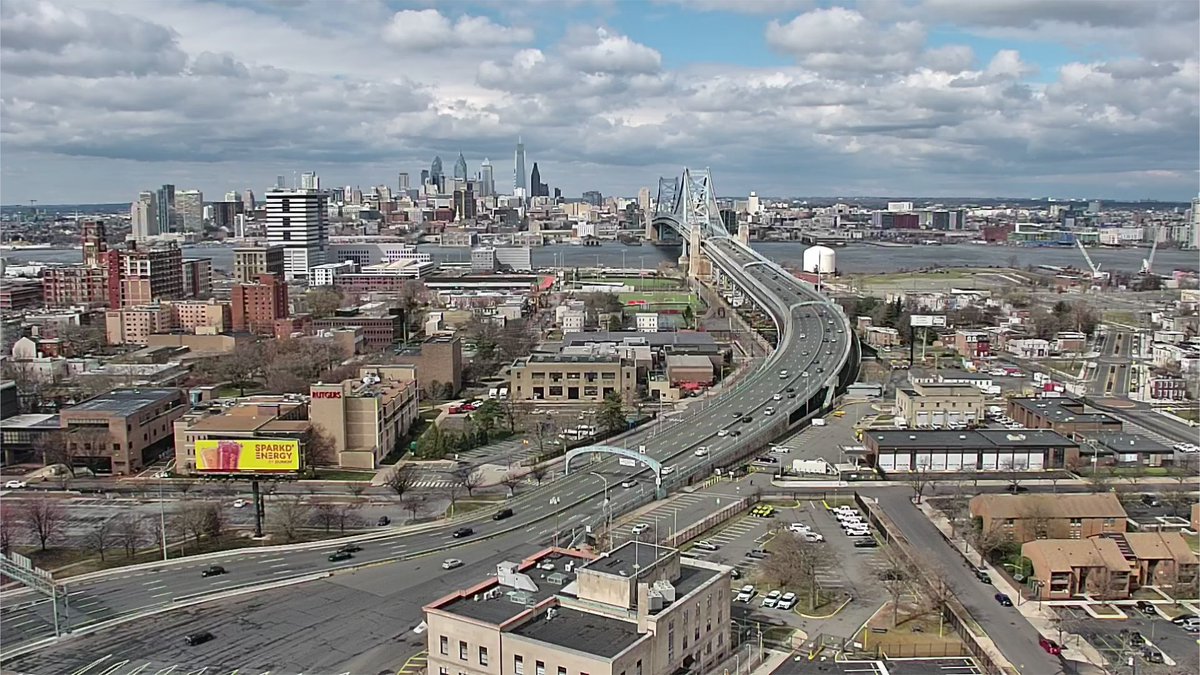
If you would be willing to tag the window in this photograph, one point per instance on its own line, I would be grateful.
(1076, 522)
(539, 668)
(562, 670)
(444, 645)
(639, 667)
(483, 656)
(443, 670)
(462, 650)
(518, 665)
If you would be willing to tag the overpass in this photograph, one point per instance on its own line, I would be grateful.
(815, 357)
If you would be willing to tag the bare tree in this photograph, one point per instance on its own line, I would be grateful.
(289, 515)
(325, 515)
(129, 533)
(183, 486)
(319, 450)
(511, 481)
(345, 516)
(795, 562)
(469, 478)
(1039, 517)
(356, 489)
(91, 443)
(214, 523)
(7, 533)
(919, 479)
(100, 537)
(1015, 473)
(538, 472)
(189, 521)
(988, 541)
(1102, 478)
(413, 504)
(43, 518)
(401, 479)
(896, 577)
(52, 447)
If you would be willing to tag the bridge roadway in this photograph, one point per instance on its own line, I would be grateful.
(811, 363)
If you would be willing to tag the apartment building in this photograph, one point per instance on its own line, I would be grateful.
(202, 317)
(135, 325)
(197, 278)
(251, 262)
(75, 285)
(138, 422)
(557, 377)
(939, 404)
(366, 418)
(255, 307)
(20, 294)
(148, 274)
(1050, 516)
(638, 610)
(973, 344)
(381, 330)
(1113, 566)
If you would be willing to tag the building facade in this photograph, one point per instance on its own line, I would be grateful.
(1025, 518)
(366, 420)
(121, 430)
(251, 262)
(298, 220)
(557, 378)
(939, 404)
(255, 307)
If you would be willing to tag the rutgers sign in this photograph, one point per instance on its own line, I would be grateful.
(327, 394)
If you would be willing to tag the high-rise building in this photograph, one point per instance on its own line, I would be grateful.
(424, 177)
(435, 174)
(143, 216)
(145, 274)
(309, 180)
(520, 188)
(644, 199)
(255, 307)
(95, 243)
(464, 203)
(248, 201)
(250, 262)
(535, 181)
(298, 220)
(189, 210)
(487, 179)
(593, 197)
(166, 209)
(460, 167)
(402, 182)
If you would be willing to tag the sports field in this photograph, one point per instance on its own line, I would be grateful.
(640, 283)
(660, 301)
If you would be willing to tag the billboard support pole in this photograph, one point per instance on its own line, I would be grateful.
(258, 533)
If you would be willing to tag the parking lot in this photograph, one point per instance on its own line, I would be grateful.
(1111, 638)
(951, 666)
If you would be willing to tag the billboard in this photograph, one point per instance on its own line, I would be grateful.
(252, 455)
(918, 320)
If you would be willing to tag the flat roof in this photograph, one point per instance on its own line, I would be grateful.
(982, 439)
(1063, 410)
(510, 602)
(682, 338)
(589, 633)
(1120, 442)
(30, 421)
(574, 358)
(621, 560)
(125, 402)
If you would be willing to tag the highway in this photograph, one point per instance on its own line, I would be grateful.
(814, 344)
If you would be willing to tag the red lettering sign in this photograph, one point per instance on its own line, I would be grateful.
(327, 394)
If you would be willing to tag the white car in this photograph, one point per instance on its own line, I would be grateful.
(628, 484)
(14, 485)
(746, 594)
(787, 602)
(451, 563)
(812, 537)
(818, 421)
(799, 527)
(777, 397)
(706, 545)
(667, 470)
(723, 433)
(640, 528)
(769, 411)
(239, 503)
(771, 598)
(701, 451)
(780, 450)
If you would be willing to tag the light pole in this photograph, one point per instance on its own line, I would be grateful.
(162, 519)
(607, 504)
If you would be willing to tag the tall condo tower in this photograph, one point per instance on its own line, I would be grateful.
(298, 220)
(520, 187)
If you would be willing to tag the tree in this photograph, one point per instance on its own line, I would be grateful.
(241, 367)
(615, 324)
(7, 534)
(689, 316)
(129, 533)
(1038, 516)
(84, 339)
(468, 477)
(401, 478)
(214, 522)
(413, 504)
(43, 518)
(289, 515)
(1102, 478)
(895, 577)
(90, 445)
(325, 515)
(356, 489)
(344, 516)
(511, 481)
(919, 478)
(485, 418)
(100, 537)
(988, 541)
(517, 339)
(795, 562)
(323, 301)
(191, 521)
(52, 447)
(538, 472)
(1015, 471)
(319, 450)
(183, 486)
(612, 413)
(485, 335)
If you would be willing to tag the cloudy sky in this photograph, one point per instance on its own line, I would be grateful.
(1068, 98)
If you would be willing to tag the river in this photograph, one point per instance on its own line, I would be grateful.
(852, 259)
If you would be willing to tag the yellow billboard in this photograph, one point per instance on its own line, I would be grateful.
(258, 455)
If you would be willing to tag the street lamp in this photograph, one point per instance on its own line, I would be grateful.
(607, 504)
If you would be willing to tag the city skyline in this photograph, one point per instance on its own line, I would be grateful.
(978, 99)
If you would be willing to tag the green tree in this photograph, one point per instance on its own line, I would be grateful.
(689, 317)
(612, 413)
(614, 323)
(486, 417)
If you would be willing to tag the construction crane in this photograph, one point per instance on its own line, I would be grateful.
(1148, 263)
(1096, 273)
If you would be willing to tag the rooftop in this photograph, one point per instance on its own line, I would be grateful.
(573, 358)
(590, 633)
(125, 402)
(980, 439)
(1063, 555)
(494, 602)
(1064, 410)
(681, 338)
(1122, 443)
(1094, 505)
(630, 557)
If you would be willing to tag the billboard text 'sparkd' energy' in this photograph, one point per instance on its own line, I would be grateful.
(248, 456)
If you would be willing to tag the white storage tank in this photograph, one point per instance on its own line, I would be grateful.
(820, 259)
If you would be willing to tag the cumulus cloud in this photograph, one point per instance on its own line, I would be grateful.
(842, 39)
(430, 29)
(605, 52)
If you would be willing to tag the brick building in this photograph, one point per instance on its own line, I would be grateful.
(438, 359)
(1067, 416)
(135, 426)
(20, 294)
(1049, 516)
(251, 262)
(254, 308)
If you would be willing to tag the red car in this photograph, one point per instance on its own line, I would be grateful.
(1050, 646)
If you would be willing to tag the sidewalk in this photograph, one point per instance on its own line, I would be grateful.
(1039, 616)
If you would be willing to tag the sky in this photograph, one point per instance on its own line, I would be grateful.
(100, 99)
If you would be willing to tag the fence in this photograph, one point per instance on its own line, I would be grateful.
(708, 522)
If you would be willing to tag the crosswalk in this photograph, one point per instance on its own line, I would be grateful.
(447, 483)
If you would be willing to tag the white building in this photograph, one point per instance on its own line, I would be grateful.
(376, 253)
(1032, 348)
(189, 205)
(647, 322)
(900, 207)
(516, 258)
(573, 321)
(326, 275)
(298, 220)
(143, 216)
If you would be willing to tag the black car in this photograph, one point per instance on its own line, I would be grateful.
(983, 576)
(194, 639)
(736, 574)
(212, 571)
(747, 419)
(791, 396)
(1146, 607)
(865, 542)
(338, 556)
(384, 520)
(1016, 489)
(502, 514)
(350, 548)
(1004, 600)
(737, 415)
(735, 432)
(790, 389)
(462, 532)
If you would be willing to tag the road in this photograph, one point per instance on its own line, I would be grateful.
(814, 342)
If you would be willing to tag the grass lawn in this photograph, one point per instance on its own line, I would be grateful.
(646, 284)
(1190, 414)
(1146, 594)
(1105, 610)
(912, 636)
(661, 299)
(1173, 612)
(342, 474)
(1120, 316)
(470, 505)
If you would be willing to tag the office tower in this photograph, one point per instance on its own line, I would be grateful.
(487, 179)
(402, 182)
(189, 210)
(435, 171)
(166, 209)
(279, 182)
(520, 189)
(644, 199)
(594, 198)
(248, 201)
(557, 194)
(464, 203)
(309, 180)
(143, 216)
(460, 167)
(424, 177)
(298, 220)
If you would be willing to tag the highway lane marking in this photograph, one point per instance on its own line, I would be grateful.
(25, 622)
(282, 564)
(268, 560)
(159, 595)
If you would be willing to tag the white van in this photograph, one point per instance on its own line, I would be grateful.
(818, 421)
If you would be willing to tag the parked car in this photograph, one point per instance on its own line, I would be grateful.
(1050, 646)
(462, 532)
(640, 528)
(1004, 600)
(799, 527)
(746, 594)
(812, 537)
(239, 503)
(502, 514)
(193, 639)
(866, 543)
(212, 571)
(787, 602)
(757, 554)
(1152, 655)
(983, 576)
(383, 520)
(706, 545)
(771, 598)
(451, 563)
(1146, 607)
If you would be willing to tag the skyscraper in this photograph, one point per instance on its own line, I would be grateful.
(593, 197)
(435, 172)
(520, 188)
(535, 181)
(189, 210)
(248, 201)
(166, 208)
(298, 220)
(487, 179)
(402, 181)
(424, 177)
(460, 167)
(309, 180)
(143, 216)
